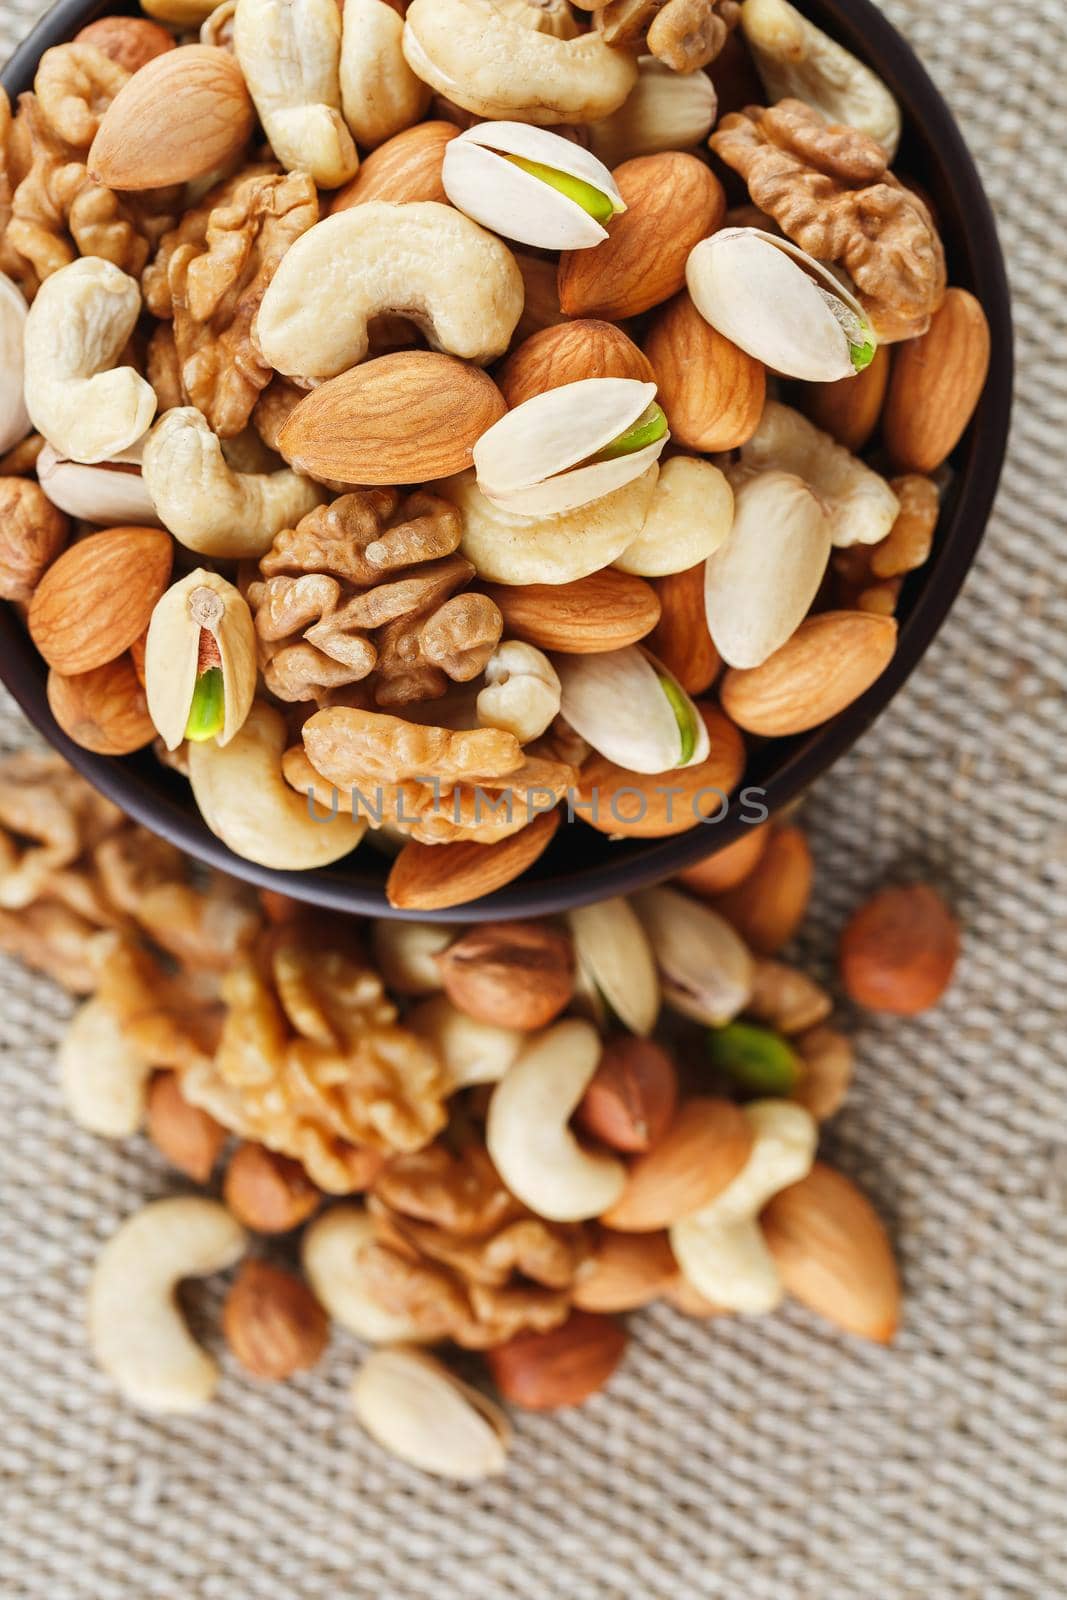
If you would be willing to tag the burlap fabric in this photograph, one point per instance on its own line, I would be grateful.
(755, 1461)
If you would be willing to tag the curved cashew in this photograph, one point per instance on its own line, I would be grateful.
(205, 504)
(706, 970)
(246, 802)
(380, 94)
(290, 52)
(796, 60)
(691, 514)
(508, 548)
(137, 1332)
(330, 1252)
(471, 1052)
(527, 1132)
(103, 1078)
(721, 1250)
(77, 328)
(489, 62)
(108, 494)
(522, 691)
(404, 954)
(861, 507)
(14, 418)
(423, 260)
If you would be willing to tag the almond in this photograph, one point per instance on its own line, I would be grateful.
(98, 597)
(631, 1098)
(680, 638)
(769, 905)
(405, 418)
(273, 1323)
(567, 353)
(704, 1149)
(899, 951)
(849, 409)
(509, 974)
(833, 1254)
(603, 612)
(404, 168)
(936, 384)
(104, 709)
(626, 1270)
(640, 805)
(726, 868)
(712, 392)
(829, 662)
(430, 877)
(673, 201)
(131, 41)
(268, 1192)
(183, 115)
(190, 1138)
(544, 1371)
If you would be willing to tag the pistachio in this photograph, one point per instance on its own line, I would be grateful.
(631, 710)
(570, 446)
(705, 969)
(109, 494)
(414, 1407)
(200, 661)
(616, 966)
(14, 418)
(531, 185)
(780, 305)
(755, 1058)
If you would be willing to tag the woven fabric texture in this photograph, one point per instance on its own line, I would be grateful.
(769, 1459)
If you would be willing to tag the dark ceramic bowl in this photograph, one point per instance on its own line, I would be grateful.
(582, 865)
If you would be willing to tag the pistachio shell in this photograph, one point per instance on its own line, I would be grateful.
(529, 461)
(481, 182)
(774, 301)
(616, 961)
(706, 970)
(103, 494)
(172, 652)
(414, 1407)
(617, 703)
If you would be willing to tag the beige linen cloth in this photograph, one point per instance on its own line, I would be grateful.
(752, 1460)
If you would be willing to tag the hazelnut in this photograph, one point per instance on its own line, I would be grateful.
(190, 1138)
(273, 1323)
(898, 951)
(510, 974)
(545, 1371)
(268, 1192)
(131, 41)
(631, 1098)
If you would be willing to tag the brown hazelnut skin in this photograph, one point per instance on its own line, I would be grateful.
(546, 1371)
(190, 1138)
(273, 1323)
(268, 1192)
(898, 952)
(631, 1098)
(510, 974)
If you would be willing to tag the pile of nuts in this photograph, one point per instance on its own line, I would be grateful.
(439, 400)
(498, 1137)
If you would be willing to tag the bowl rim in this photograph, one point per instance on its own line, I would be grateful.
(870, 34)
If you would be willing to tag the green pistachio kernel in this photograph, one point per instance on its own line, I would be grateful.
(683, 715)
(207, 714)
(755, 1058)
(600, 206)
(650, 426)
(862, 354)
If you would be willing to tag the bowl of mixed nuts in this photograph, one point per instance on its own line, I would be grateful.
(482, 453)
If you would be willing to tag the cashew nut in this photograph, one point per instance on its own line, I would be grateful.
(246, 802)
(721, 1250)
(522, 691)
(508, 548)
(330, 1252)
(205, 504)
(527, 1132)
(860, 505)
(380, 94)
(404, 953)
(108, 494)
(706, 970)
(14, 418)
(77, 328)
(423, 261)
(667, 110)
(471, 1052)
(290, 52)
(489, 62)
(102, 1076)
(136, 1329)
(796, 60)
(690, 516)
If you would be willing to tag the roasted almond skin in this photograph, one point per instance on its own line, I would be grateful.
(411, 417)
(829, 662)
(604, 611)
(104, 709)
(546, 1371)
(673, 202)
(653, 805)
(626, 1270)
(268, 1192)
(568, 353)
(769, 905)
(97, 598)
(680, 638)
(430, 877)
(184, 114)
(728, 867)
(273, 1323)
(936, 384)
(190, 1138)
(899, 950)
(713, 392)
(704, 1149)
(631, 1098)
(404, 168)
(834, 1255)
(849, 409)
